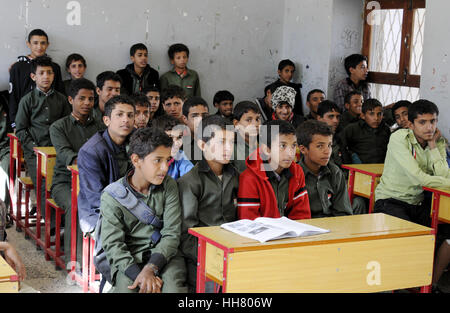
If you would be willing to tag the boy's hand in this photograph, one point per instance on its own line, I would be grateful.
(147, 281)
(14, 260)
(436, 136)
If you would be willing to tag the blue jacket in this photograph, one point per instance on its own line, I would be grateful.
(180, 165)
(97, 169)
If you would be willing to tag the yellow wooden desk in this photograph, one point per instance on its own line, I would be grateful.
(15, 165)
(9, 281)
(363, 179)
(440, 208)
(362, 253)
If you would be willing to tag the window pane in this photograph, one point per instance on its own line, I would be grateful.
(386, 42)
(415, 66)
(388, 94)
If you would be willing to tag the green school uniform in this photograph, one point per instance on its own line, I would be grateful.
(190, 82)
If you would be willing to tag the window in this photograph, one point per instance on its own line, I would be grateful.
(393, 43)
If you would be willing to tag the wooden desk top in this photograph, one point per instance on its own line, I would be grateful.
(12, 135)
(47, 151)
(443, 192)
(368, 169)
(342, 229)
(7, 274)
(73, 168)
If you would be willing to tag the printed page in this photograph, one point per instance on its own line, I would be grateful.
(300, 229)
(261, 232)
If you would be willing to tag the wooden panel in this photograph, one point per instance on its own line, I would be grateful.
(214, 262)
(370, 266)
(49, 169)
(375, 168)
(6, 272)
(444, 209)
(362, 184)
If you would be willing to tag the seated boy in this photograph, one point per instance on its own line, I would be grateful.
(400, 112)
(325, 182)
(366, 141)
(180, 164)
(223, 101)
(68, 135)
(172, 99)
(20, 81)
(103, 159)
(38, 109)
(273, 185)
(194, 110)
(246, 121)
(76, 67)
(357, 70)
(154, 96)
(208, 193)
(108, 86)
(313, 99)
(138, 75)
(143, 257)
(353, 105)
(283, 102)
(286, 69)
(142, 105)
(180, 75)
(265, 103)
(415, 158)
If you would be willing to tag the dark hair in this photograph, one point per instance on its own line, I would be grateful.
(165, 122)
(146, 140)
(77, 84)
(352, 61)
(420, 107)
(136, 47)
(211, 124)
(370, 104)
(272, 87)
(308, 96)
(284, 63)
(308, 129)
(400, 104)
(107, 75)
(140, 100)
(193, 102)
(222, 95)
(175, 48)
(40, 61)
(172, 91)
(37, 32)
(110, 105)
(349, 95)
(269, 129)
(147, 89)
(243, 107)
(73, 58)
(327, 106)
(160, 111)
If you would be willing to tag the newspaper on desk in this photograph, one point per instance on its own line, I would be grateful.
(264, 229)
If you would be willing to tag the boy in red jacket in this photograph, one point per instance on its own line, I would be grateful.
(273, 185)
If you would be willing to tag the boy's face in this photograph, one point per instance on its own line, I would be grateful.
(142, 116)
(283, 111)
(286, 73)
(177, 136)
(154, 166)
(43, 77)
(180, 60)
(225, 107)
(282, 152)
(424, 126)
(38, 46)
(83, 102)
(140, 58)
(220, 147)
(249, 124)
(314, 100)
(319, 151)
(355, 105)
(173, 107)
(332, 119)
(121, 122)
(401, 117)
(153, 97)
(360, 72)
(110, 89)
(195, 116)
(373, 117)
(76, 69)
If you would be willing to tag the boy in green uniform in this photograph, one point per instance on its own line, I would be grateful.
(76, 67)
(353, 106)
(208, 193)
(108, 86)
(143, 257)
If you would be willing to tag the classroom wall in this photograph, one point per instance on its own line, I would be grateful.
(234, 44)
(434, 82)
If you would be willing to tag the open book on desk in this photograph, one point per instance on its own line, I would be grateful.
(264, 229)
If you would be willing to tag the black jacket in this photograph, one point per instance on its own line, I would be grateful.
(150, 77)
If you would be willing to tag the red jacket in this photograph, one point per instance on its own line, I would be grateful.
(256, 197)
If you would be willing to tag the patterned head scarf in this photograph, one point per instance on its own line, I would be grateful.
(283, 94)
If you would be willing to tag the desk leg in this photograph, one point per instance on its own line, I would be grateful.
(73, 222)
(12, 177)
(435, 212)
(201, 272)
(351, 185)
(38, 200)
(372, 194)
(224, 274)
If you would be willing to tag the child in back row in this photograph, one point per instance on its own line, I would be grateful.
(223, 102)
(283, 103)
(286, 69)
(76, 67)
(142, 115)
(353, 105)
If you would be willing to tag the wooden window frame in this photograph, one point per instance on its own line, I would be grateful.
(403, 77)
